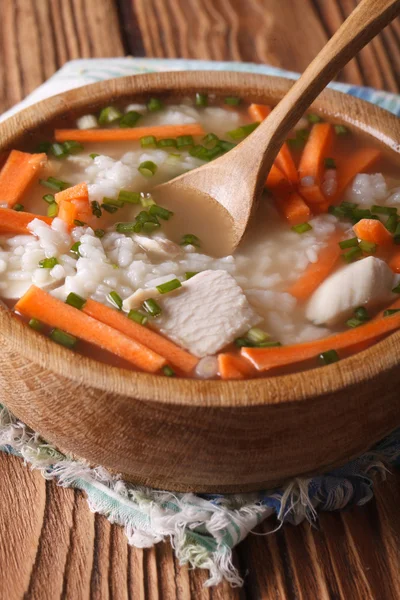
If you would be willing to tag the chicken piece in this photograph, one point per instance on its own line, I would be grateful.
(367, 282)
(206, 314)
(158, 246)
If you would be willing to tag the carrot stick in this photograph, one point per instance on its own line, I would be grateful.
(394, 262)
(359, 162)
(293, 208)
(77, 192)
(74, 204)
(269, 358)
(18, 174)
(128, 134)
(284, 161)
(174, 355)
(277, 181)
(316, 272)
(259, 112)
(233, 366)
(371, 230)
(315, 151)
(38, 304)
(314, 198)
(12, 221)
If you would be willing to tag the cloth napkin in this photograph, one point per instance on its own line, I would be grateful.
(203, 529)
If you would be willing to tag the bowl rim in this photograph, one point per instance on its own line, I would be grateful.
(377, 123)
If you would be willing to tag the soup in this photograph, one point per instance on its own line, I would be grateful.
(89, 257)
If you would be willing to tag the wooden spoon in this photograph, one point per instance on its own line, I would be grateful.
(220, 195)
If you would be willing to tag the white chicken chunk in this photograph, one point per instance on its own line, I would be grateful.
(367, 282)
(206, 314)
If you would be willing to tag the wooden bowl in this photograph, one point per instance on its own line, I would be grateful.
(191, 435)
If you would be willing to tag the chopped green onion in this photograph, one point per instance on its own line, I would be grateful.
(391, 223)
(55, 184)
(129, 197)
(328, 357)
(244, 343)
(49, 198)
(349, 243)
(151, 306)
(147, 168)
(145, 217)
(115, 299)
(190, 274)
(184, 141)
(201, 99)
(268, 344)
(35, 324)
(341, 130)
(169, 286)
(148, 141)
(63, 338)
(94, 155)
(302, 135)
(75, 248)
(396, 235)
(257, 335)
(367, 247)
(154, 104)
(352, 254)
(58, 150)
(159, 211)
(113, 202)
(109, 208)
(390, 311)
(72, 147)
(353, 322)
(243, 131)
(48, 263)
(19, 207)
(396, 290)
(361, 313)
(301, 228)
(99, 233)
(130, 119)
(348, 205)
(166, 143)
(146, 200)
(190, 240)
(383, 210)
(210, 138)
(330, 163)
(79, 223)
(337, 211)
(168, 371)
(43, 147)
(96, 210)
(295, 143)
(361, 213)
(313, 118)
(199, 152)
(125, 227)
(52, 210)
(138, 317)
(75, 301)
(213, 153)
(108, 115)
(150, 227)
(225, 146)
(232, 101)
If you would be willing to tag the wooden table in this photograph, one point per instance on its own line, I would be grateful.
(51, 545)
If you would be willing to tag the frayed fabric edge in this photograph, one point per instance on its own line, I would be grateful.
(202, 531)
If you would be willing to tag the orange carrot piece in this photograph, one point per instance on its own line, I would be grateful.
(259, 112)
(394, 262)
(77, 192)
(74, 204)
(359, 162)
(315, 199)
(68, 213)
(277, 181)
(284, 161)
(175, 356)
(128, 134)
(12, 221)
(317, 272)
(38, 304)
(293, 208)
(269, 358)
(315, 151)
(18, 174)
(233, 366)
(371, 230)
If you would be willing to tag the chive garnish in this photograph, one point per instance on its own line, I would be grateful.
(199, 151)
(75, 301)
(49, 198)
(75, 248)
(43, 147)
(108, 115)
(391, 223)
(79, 223)
(225, 146)
(126, 227)
(109, 208)
(348, 243)
(169, 286)
(232, 101)
(19, 207)
(295, 143)
(129, 197)
(341, 129)
(383, 210)
(267, 344)
(190, 274)
(72, 147)
(190, 240)
(148, 141)
(301, 228)
(243, 131)
(352, 254)
(168, 371)
(337, 211)
(210, 138)
(154, 104)
(55, 184)
(390, 311)
(201, 99)
(63, 338)
(302, 135)
(129, 119)
(58, 150)
(147, 168)
(146, 200)
(353, 322)
(52, 210)
(94, 155)
(149, 227)
(184, 141)
(99, 233)
(242, 342)
(151, 306)
(138, 317)
(35, 324)
(313, 118)
(257, 335)
(166, 143)
(48, 263)
(113, 202)
(330, 163)
(159, 211)
(361, 313)
(328, 357)
(96, 210)
(368, 247)
(115, 299)
(396, 290)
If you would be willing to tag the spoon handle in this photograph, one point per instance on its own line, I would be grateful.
(368, 19)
